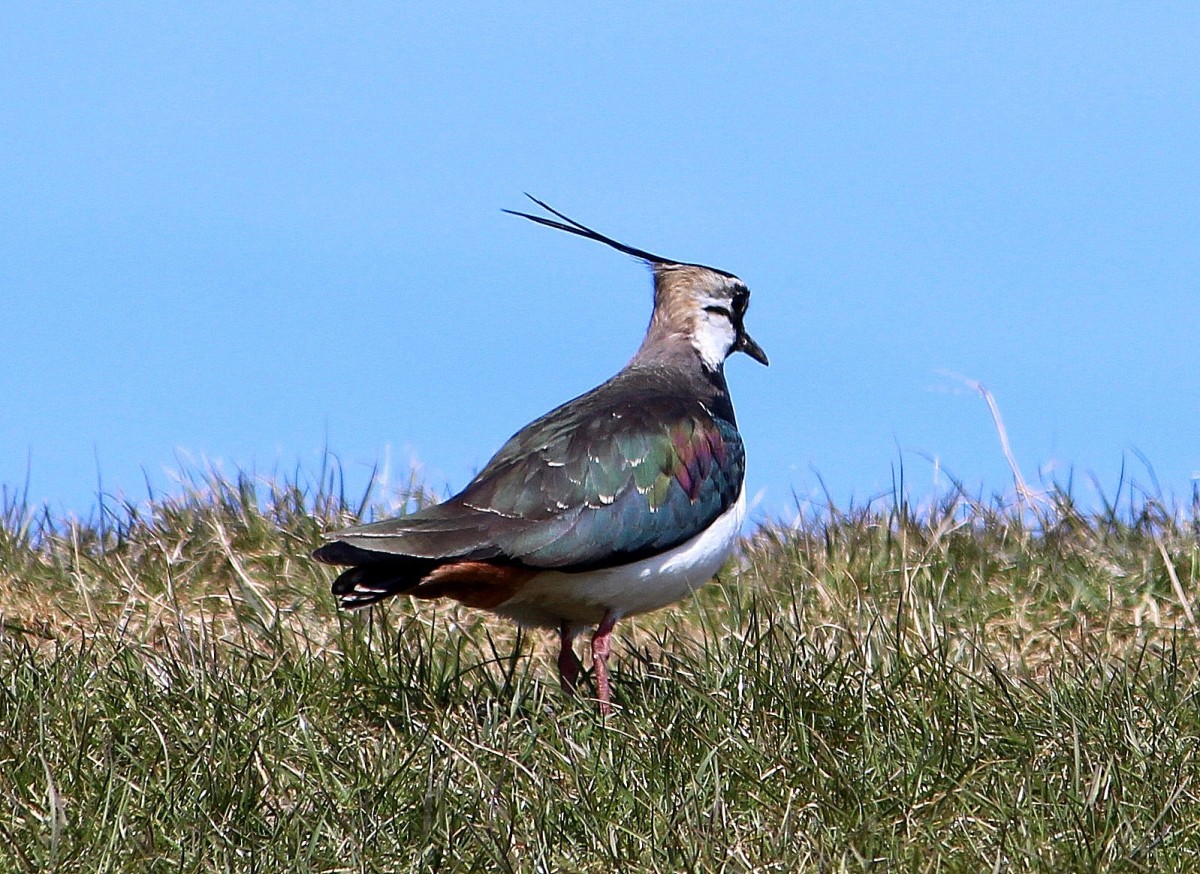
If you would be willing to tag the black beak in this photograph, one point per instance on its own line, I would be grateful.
(746, 344)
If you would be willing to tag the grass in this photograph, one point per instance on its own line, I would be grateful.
(969, 687)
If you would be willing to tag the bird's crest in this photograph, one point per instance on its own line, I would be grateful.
(573, 227)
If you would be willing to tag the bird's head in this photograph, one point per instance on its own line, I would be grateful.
(703, 306)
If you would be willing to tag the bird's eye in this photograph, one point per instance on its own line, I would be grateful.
(719, 311)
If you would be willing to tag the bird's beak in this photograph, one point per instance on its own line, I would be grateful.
(745, 343)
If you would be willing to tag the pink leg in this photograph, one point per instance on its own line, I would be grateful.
(568, 663)
(601, 647)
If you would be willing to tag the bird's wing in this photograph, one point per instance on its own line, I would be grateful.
(595, 483)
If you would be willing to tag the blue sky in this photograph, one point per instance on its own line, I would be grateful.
(241, 233)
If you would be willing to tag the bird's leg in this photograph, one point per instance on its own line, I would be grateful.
(601, 647)
(568, 663)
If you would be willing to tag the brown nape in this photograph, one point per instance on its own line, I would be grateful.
(474, 583)
(675, 289)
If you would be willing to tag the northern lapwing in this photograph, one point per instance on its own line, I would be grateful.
(619, 502)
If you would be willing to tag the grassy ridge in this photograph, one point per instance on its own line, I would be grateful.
(966, 688)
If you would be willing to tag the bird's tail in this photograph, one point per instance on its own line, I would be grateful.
(374, 576)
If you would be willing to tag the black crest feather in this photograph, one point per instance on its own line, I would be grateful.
(573, 227)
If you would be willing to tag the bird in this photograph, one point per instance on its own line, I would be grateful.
(622, 501)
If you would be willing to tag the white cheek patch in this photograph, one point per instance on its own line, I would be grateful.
(713, 339)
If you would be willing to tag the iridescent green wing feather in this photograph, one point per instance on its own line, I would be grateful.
(611, 477)
(623, 483)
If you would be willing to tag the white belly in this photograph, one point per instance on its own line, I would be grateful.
(552, 597)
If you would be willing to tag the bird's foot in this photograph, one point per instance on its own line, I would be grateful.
(601, 647)
(569, 665)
